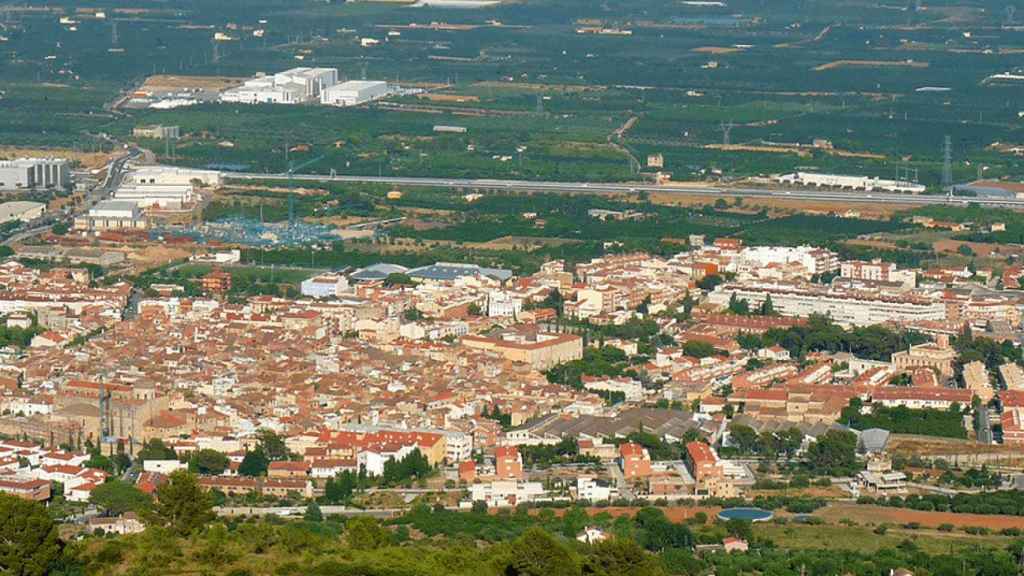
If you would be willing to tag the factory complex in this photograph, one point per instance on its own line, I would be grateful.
(305, 85)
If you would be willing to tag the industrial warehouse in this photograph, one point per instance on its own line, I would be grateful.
(305, 85)
(34, 173)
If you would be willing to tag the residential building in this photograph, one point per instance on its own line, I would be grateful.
(508, 462)
(938, 398)
(25, 487)
(851, 308)
(975, 376)
(505, 493)
(634, 460)
(526, 344)
(1012, 376)
(217, 281)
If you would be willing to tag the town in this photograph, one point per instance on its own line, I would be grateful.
(496, 288)
(629, 378)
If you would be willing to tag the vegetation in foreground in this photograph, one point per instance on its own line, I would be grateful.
(183, 536)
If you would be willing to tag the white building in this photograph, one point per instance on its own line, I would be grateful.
(224, 257)
(502, 305)
(313, 80)
(29, 173)
(159, 195)
(633, 390)
(373, 461)
(588, 489)
(813, 260)
(263, 90)
(173, 175)
(866, 183)
(354, 92)
(847, 308)
(458, 446)
(22, 211)
(502, 493)
(877, 271)
(325, 286)
(163, 466)
(294, 86)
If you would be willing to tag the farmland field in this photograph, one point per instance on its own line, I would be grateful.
(537, 99)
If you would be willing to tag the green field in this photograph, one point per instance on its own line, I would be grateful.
(540, 100)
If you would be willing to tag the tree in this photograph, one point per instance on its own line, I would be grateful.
(413, 465)
(698, 349)
(155, 449)
(208, 462)
(658, 533)
(182, 505)
(29, 545)
(767, 308)
(740, 529)
(834, 453)
(574, 521)
(965, 250)
(313, 513)
(117, 497)
(537, 553)
(749, 341)
(339, 489)
(60, 228)
(255, 463)
(474, 309)
(365, 533)
(273, 445)
(744, 438)
(709, 282)
(737, 305)
(645, 305)
(790, 441)
(620, 557)
(99, 461)
(398, 279)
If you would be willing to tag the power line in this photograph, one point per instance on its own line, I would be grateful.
(726, 128)
(947, 163)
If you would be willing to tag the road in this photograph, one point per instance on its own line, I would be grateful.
(983, 432)
(846, 196)
(620, 481)
(386, 513)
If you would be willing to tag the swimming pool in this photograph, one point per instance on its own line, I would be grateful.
(751, 514)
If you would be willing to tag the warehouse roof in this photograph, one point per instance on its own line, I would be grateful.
(116, 205)
(377, 272)
(451, 271)
(14, 210)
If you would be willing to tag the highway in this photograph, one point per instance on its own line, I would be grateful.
(846, 196)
